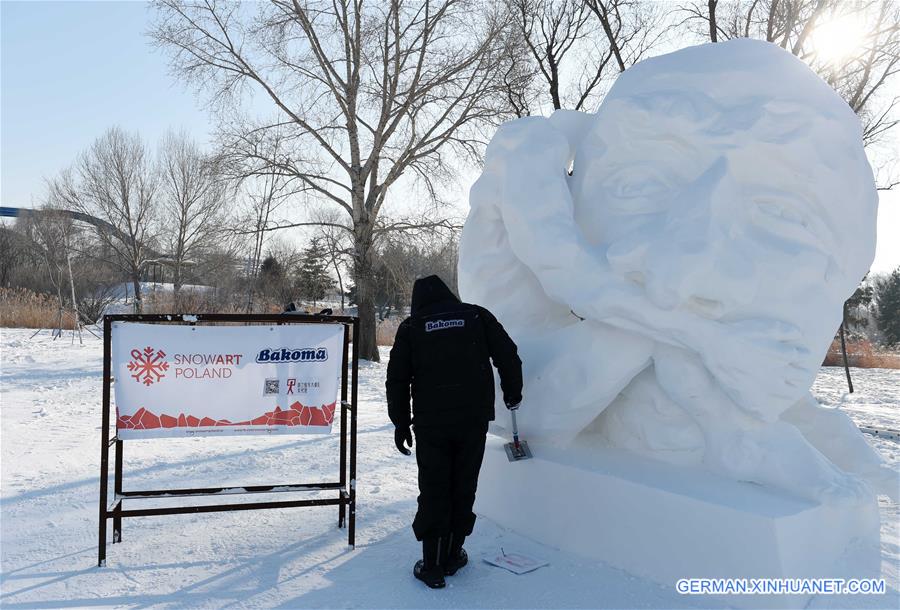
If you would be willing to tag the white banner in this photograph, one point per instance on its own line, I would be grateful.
(174, 380)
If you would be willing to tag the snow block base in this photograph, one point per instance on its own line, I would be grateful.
(666, 523)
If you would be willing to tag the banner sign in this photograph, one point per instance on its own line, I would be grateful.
(177, 380)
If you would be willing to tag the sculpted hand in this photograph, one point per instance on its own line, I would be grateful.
(760, 365)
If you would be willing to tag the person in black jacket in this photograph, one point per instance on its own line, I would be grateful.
(442, 359)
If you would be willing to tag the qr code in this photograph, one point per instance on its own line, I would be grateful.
(270, 387)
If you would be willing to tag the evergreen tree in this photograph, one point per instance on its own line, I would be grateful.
(274, 279)
(270, 268)
(888, 300)
(271, 276)
(857, 307)
(313, 279)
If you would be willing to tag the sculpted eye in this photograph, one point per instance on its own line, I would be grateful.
(786, 219)
(638, 189)
(638, 182)
(780, 211)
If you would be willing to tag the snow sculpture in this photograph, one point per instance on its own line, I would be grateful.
(673, 267)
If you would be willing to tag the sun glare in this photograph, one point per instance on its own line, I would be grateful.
(838, 39)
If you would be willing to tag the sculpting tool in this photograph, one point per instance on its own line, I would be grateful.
(516, 450)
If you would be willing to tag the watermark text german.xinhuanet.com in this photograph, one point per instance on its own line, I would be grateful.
(780, 586)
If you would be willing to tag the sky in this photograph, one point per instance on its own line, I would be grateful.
(70, 70)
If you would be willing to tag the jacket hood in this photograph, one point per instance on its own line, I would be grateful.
(428, 291)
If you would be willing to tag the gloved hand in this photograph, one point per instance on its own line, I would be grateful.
(402, 434)
(513, 403)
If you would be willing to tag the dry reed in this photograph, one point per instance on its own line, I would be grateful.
(22, 308)
(862, 354)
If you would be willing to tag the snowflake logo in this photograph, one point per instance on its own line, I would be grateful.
(148, 366)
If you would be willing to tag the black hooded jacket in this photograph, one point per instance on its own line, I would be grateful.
(443, 353)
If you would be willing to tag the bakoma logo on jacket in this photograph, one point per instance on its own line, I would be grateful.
(284, 354)
(443, 324)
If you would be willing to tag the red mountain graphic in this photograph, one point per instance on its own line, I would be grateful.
(296, 415)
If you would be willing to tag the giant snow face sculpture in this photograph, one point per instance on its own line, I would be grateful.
(674, 266)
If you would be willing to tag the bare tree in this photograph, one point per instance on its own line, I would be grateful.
(192, 198)
(263, 195)
(16, 254)
(632, 28)
(337, 245)
(566, 51)
(115, 181)
(520, 78)
(860, 77)
(407, 256)
(367, 93)
(51, 235)
(550, 29)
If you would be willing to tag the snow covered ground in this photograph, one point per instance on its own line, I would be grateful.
(283, 558)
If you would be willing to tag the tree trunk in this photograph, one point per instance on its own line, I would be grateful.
(365, 296)
(554, 80)
(602, 14)
(844, 353)
(74, 302)
(770, 23)
(61, 305)
(337, 270)
(713, 30)
(176, 287)
(176, 278)
(138, 300)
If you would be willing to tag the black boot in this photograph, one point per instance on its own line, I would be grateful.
(428, 569)
(456, 556)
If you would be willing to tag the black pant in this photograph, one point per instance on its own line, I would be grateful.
(449, 460)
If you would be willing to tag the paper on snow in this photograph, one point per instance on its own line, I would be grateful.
(516, 563)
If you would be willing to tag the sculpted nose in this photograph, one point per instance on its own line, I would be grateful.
(626, 256)
(710, 281)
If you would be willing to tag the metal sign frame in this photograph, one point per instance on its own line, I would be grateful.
(345, 486)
